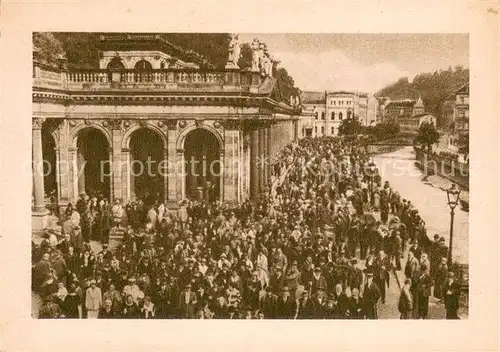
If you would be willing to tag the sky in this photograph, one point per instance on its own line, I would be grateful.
(362, 62)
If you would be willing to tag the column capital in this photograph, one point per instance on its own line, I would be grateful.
(171, 124)
(115, 124)
(231, 124)
(37, 123)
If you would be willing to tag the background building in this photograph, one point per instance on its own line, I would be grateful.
(413, 123)
(330, 108)
(402, 109)
(372, 115)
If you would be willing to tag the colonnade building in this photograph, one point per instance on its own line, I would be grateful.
(204, 132)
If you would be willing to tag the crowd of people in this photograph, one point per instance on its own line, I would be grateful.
(313, 247)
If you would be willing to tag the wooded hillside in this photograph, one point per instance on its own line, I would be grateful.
(434, 88)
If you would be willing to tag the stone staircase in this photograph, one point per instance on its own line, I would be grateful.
(116, 236)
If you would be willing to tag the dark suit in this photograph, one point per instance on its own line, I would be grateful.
(316, 308)
(268, 306)
(423, 292)
(381, 275)
(451, 293)
(186, 309)
(405, 304)
(371, 295)
(340, 306)
(355, 308)
(286, 309)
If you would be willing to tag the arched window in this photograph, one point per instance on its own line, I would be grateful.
(322, 115)
(116, 64)
(316, 115)
(349, 112)
(332, 117)
(340, 115)
(143, 65)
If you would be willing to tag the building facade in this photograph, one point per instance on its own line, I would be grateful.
(330, 108)
(202, 133)
(461, 109)
(412, 124)
(403, 109)
(372, 115)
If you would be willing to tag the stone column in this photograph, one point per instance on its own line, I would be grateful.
(266, 158)
(116, 161)
(254, 167)
(39, 213)
(172, 166)
(72, 174)
(230, 164)
(126, 177)
(163, 170)
(63, 168)
(262, 157)
(80, 171)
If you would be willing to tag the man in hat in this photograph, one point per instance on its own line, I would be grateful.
(440, 276)
(451, 293)
(286, 307)
(93, 300)
(50, 309)
(318, 282)
(133, 289)
(187, 303)
(412, 271)
(268, 304)
(277, 280)
(114, 296)
(381, 274)
(355, 306)
(340, 304)
(423, 292)
(406, 301)
(443, 249)
(292, 278)
(355, 275)
(318, 305)
(107, 255)
(371, 296)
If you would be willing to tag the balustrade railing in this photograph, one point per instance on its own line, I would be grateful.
(167, 79)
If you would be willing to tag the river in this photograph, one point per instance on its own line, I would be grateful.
(428, 197)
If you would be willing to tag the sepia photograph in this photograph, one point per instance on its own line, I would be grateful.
(284, 176)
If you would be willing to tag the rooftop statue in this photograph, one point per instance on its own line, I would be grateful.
(255, 54)
(234, 51)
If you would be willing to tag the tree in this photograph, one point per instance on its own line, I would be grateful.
(427, 135)
(82, 49)
(285, 86)
(48, 49)
(214, 46)
(349, 127)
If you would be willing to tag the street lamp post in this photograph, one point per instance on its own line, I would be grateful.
(453, 196)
